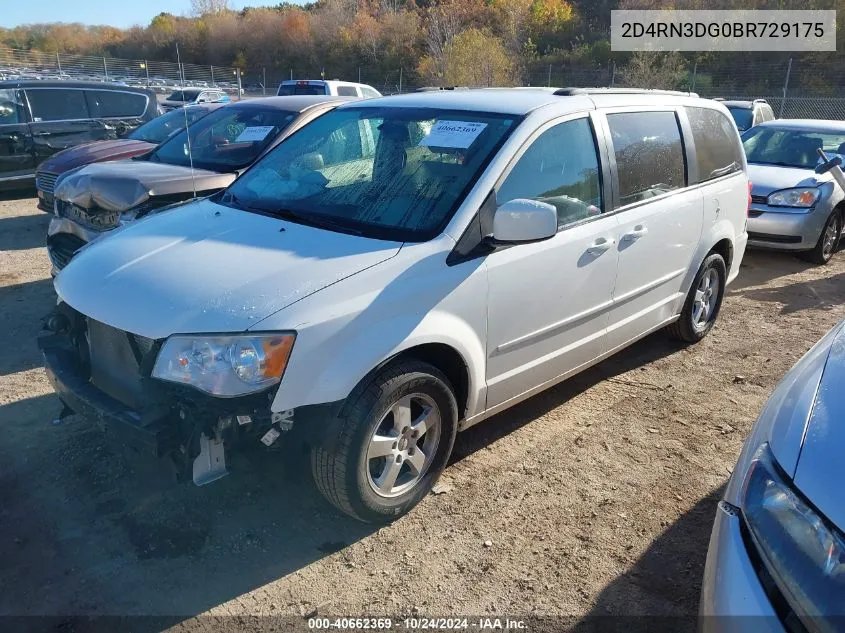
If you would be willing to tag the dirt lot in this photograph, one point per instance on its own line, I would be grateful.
(598, 495)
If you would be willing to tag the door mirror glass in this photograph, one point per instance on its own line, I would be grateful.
(522, 220)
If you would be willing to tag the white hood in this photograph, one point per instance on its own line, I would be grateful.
(204, 267)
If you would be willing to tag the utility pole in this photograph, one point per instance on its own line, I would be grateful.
(59, 63)
(105, 69)
(400, 79)
(694, 73)
(785, 88)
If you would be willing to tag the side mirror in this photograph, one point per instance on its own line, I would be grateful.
(520, 221)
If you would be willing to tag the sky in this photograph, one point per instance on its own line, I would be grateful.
(120, 13)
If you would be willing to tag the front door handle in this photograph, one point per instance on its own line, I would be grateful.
(636, 233)
(601, 245)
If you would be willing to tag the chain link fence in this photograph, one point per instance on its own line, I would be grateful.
(160, 76)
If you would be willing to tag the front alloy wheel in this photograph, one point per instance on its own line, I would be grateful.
(403, 445)
(828, 240)
(396, 434)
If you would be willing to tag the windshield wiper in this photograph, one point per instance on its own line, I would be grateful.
(319, 221)
(778, 164)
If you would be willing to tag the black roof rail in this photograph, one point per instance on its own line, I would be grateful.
(569, 92)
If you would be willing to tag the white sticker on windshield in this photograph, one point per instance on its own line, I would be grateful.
(456, 134)
(255, 133)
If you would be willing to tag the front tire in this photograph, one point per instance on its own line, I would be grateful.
(828, 241)
(396, 436)
(703, 301)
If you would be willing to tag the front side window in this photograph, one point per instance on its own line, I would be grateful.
(228, 139)
(560, 168)
(57, 104)
(716, 146)
(391, 173)
(769, 145)
(649, 154)
(159, 128)
(11, 108)
(112, 103)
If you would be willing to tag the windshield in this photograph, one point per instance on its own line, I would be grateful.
(184, 95)
(228, 139)
(790, 148)
(742, 117)
(286, 90)
(158, 129)
(390, 173)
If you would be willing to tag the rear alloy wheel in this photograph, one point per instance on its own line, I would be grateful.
(396, 435)
(828, 241)
(703, 301)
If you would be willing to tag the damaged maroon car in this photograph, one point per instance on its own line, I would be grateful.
(136, 142)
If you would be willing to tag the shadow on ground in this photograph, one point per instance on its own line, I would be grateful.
(22, 232)
(22, 307)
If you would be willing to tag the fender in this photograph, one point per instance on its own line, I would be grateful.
(357, 358)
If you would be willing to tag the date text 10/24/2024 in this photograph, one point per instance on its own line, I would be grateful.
(417, 624)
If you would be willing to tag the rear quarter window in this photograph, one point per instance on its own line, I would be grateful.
(347, 91)
(57, 104)
(716, 145)
(649, 154)
(113, 103)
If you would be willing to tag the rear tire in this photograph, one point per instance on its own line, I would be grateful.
(703, 301)
(828, 241)
(396, 436)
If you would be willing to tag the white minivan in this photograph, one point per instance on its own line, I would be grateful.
(399, 270)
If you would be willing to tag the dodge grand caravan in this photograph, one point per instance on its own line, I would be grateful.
(371, 299)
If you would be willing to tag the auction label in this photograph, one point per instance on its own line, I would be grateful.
(453, 134)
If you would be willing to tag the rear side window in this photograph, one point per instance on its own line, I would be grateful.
(57, 104)
(11, 108)
(649, 154)
(718, 151)
(560, 168)
(369, 93)
(347, 91)
(113, 103)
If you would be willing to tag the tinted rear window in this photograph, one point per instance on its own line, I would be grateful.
(287, 90)
(649, 154)
(113, 103)
(57, 104)
(347, 91)
(716, 146)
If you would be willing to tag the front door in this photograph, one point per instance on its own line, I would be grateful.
(548, 302)
(659, 221)
(17, 159)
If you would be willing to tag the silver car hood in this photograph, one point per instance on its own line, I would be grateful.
(821, 466)
(203, 267)
(768, 178)
(124, 184)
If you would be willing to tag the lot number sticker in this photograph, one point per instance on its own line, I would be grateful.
(454, 134)
(255, 133)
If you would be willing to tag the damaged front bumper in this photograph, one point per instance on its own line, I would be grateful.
(191, 429)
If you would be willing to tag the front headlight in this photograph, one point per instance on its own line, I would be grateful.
(804, 554)
(225, 366)
(800, 198)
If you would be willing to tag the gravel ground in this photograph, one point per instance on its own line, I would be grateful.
(595, 497)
